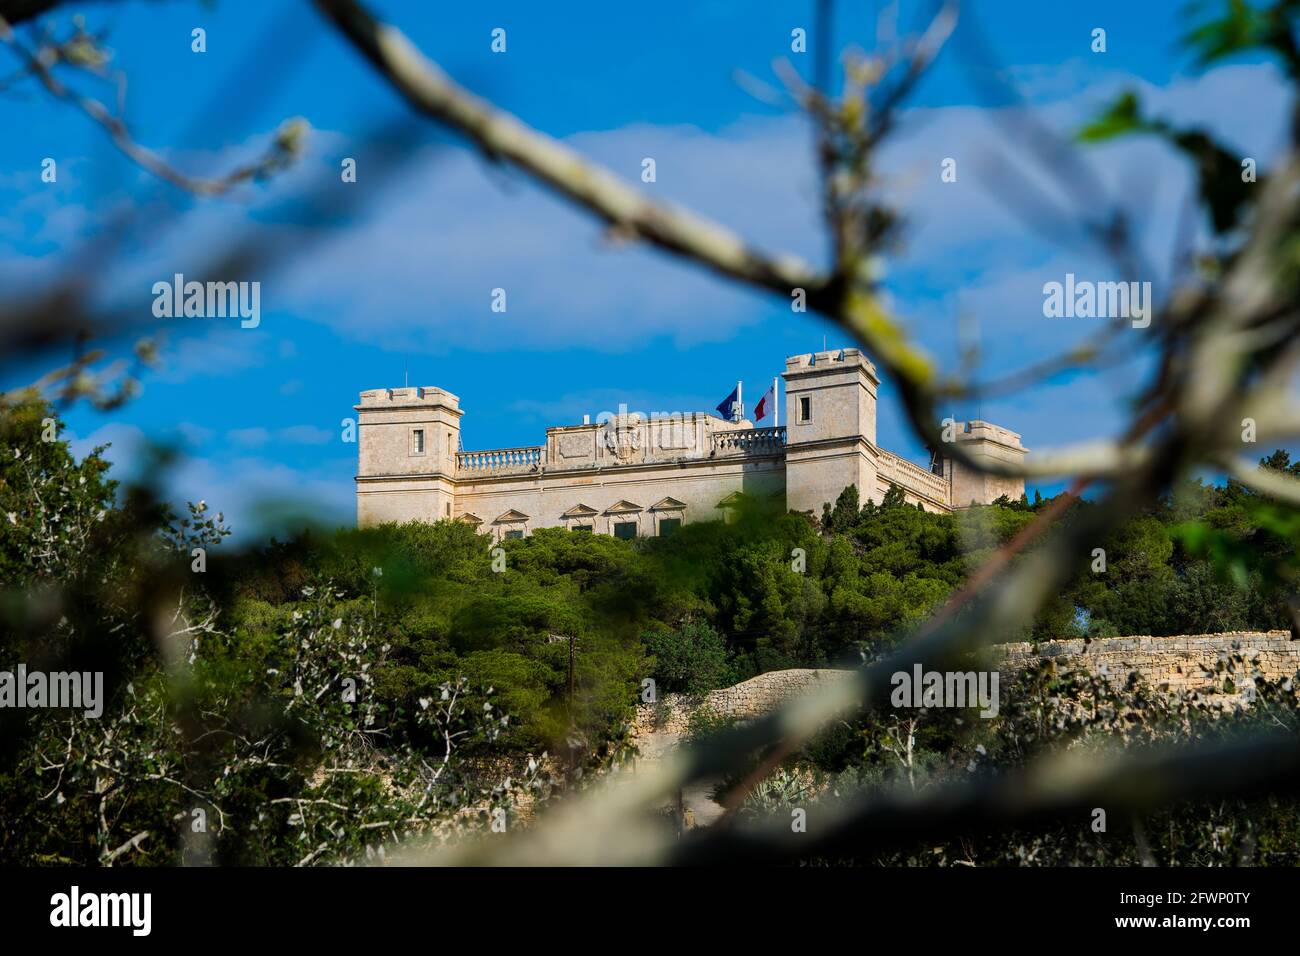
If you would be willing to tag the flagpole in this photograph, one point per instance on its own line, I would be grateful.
(776, 405)
(740, 401)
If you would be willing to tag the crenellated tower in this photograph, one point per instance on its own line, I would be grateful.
(830, 406)
(406, 454)
(984, 441)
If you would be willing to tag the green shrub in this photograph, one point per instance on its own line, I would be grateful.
(689, 660)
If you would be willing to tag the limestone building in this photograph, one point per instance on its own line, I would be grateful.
(633, 475)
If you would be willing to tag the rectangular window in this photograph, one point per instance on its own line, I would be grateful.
(668, 526)
(805, 408)
(417, 441)
(585, 528)
(625, 530)
(513, 534)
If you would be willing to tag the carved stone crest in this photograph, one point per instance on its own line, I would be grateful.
(623, 436)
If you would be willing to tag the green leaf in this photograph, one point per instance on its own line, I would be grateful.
(1123, 116)
(1242, 27)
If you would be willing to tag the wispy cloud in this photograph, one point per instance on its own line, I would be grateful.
(257, 435)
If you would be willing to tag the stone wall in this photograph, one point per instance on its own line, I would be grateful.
(689, 490)
(743, 701)
(1182, 664)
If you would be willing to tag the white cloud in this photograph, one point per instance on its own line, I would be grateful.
(194, 435)
(418, 270)
(304, 435)
(251, 437)
(257, 436)
(210, 348)
(571, 407)
(260, 497)
(127, 443)
(428, 257)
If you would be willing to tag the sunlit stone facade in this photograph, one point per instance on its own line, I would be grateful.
(632, 476)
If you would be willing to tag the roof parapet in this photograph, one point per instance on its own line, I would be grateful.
(979, 430)
(831, 358)
(407, 397)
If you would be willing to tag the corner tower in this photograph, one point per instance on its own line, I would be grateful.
(830, 407)
(984, 441)
(406, 454)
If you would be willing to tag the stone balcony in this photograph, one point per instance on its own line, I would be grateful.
(749, 441)
(499, 461)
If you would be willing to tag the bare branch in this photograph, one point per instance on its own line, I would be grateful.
(285, 148)
(499, 135)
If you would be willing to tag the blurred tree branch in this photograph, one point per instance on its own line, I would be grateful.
(18, 11)
(82, 49)
(1215, 341)
(1222, 357)
(846, 294)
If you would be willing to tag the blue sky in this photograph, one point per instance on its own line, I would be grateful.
(401, 280)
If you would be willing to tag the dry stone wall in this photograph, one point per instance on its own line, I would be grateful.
(1183, 663)
(743, 701)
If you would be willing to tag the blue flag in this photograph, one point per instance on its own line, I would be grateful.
(724, 409)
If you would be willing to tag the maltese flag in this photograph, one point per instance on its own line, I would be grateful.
(766, 406)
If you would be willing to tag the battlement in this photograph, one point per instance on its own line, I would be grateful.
(984, 442)
(409, 397)
(833, 358)
(977, 430)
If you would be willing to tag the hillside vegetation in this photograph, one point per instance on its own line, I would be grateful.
(310, 699)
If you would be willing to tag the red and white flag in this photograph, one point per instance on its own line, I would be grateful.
(766, 406)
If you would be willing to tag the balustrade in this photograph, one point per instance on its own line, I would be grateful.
(499, 461)
(749, 441)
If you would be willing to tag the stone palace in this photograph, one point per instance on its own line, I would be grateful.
(631, 475)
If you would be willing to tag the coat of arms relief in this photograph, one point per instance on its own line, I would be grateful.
(623, 435)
